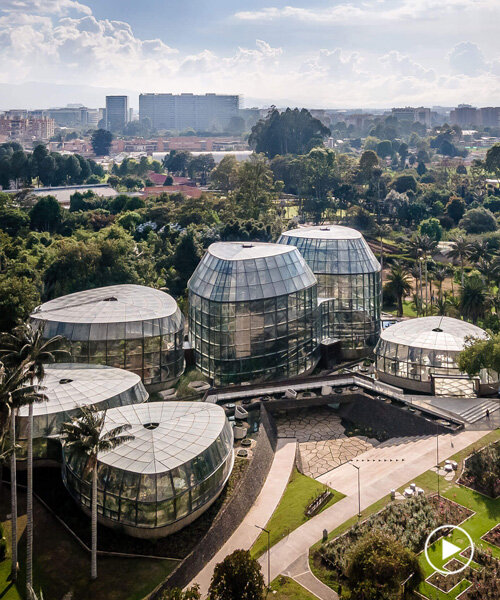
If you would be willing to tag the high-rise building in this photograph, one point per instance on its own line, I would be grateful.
(188, 111)
(490, 116)
(117, 114)
(465, 115)
(413, 115)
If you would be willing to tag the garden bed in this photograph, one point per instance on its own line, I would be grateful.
(493, 536)
(446, 583)
(482, 471)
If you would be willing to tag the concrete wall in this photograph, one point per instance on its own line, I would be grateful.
(396, 421)
(232, 514)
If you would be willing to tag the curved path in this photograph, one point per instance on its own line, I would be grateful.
(259, 514)
(382, 469)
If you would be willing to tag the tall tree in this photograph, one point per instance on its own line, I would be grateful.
(473, 298)
(288, 132)
(238, 576)
(101, 142)
(85, 437)
(398, 284)
(459, 251)
(27, 349)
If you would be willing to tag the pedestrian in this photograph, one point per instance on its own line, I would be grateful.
(487, 413)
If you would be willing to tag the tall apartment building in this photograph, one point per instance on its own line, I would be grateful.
(413, 115)
(26, 128)
(465, 115)
(117, 113)
(490, 116)
(188, 111)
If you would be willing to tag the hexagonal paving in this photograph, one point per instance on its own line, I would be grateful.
(322, 442)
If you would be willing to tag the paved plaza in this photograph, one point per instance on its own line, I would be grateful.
(323, 444)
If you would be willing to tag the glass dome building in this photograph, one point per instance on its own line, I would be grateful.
(413, 353)
(349, 284)
(173, 469)
(253, 313)
(68, 386)
(127, 326)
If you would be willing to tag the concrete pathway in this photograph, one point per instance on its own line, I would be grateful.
(378, 477)
(299, 571)
(259, 514)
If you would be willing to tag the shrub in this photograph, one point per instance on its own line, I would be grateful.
(478, 220)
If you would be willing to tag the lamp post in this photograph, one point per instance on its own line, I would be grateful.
(437, 455)
(359, 488)
(268, 554)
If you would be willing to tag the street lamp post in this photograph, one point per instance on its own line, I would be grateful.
(268, 554)
(437, 456)
(359, 488)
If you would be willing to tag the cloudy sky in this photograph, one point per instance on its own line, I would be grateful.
(330, 53)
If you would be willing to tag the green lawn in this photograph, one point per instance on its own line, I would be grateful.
(285, 588)
(408, 310)
(289, 513)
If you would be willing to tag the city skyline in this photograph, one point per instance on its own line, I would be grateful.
(373, 54)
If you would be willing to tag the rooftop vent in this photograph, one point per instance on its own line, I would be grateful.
(63, 381)
(110, 299)
(150, 425)
(247, 245)
(438, 330)
(324, 228)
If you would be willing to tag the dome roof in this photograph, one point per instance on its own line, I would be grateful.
(332, 249)
(238, 271)
(432, 333)
(123, 308)
(166, 434)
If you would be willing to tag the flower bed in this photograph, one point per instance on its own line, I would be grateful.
(493, 536)
(409, 521)
(482, 471)
(447, 582)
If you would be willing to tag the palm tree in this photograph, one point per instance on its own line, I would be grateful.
(84, 436)
(398, 284)
(14, 393)
(440, 274)
(415, 273)
(26, 348)
(473, 298)
(479, 249)
(415, 250)
(459, 251)
(427, 246)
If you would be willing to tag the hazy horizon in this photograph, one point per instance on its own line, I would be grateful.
(370, 54)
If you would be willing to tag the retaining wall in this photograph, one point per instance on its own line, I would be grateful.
(232, 514)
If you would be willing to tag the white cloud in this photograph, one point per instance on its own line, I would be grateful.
(466, 58)
(60, 42)
(45, 7)
(369, 11)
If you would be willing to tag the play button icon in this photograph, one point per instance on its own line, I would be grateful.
(449, 549)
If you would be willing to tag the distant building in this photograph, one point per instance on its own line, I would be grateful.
(413, 115)
(117, 114)
(27, 128)
(490, 116)
(188, 111)
(465, 115)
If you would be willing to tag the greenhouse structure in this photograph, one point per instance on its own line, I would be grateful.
(67, 387)
(132, 327)
(420, 354)
(173, 469)
(349, 284)
(253, 313)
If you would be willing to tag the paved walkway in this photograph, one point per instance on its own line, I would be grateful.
(300, 571)
(259, 514)
(379, 474)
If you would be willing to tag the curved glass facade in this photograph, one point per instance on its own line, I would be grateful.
(349, 282)
(67, 388)
(253, 313)
(126, 326)
(177, 464)
(418, 349)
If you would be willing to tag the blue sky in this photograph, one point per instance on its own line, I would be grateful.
(333, 53)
